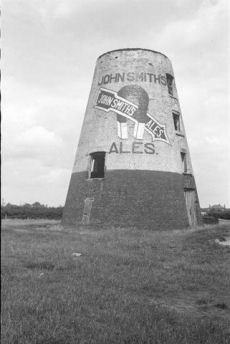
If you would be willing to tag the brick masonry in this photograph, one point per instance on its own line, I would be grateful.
(144, 199)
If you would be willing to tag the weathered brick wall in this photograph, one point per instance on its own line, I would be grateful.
(145, 199)
(189, 182)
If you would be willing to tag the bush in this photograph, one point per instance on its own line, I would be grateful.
(219, 213)
(225, 215)
(34, 211)
(211, 220)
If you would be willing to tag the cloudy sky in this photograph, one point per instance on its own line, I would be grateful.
(49, 52)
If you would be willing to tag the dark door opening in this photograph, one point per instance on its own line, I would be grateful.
(97, 168)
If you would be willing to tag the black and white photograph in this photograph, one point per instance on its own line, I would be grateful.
(115, 184)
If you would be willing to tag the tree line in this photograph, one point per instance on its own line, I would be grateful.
(38, 211)
(31, 211)
(218, 213)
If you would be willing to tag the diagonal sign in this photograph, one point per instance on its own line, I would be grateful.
(108, 100)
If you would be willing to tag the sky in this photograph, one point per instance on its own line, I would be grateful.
(50, 49)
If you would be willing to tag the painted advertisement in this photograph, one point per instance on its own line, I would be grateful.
(131, 102)
(132, 76)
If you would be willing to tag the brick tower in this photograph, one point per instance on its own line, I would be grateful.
(132, 166)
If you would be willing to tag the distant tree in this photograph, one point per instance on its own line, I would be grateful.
(36, 205)
(27, 205)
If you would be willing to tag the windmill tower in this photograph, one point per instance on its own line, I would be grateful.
(132, 166)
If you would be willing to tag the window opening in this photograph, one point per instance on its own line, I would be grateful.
(97, 166)
(170, 78)
(176, 120)
(184, 161)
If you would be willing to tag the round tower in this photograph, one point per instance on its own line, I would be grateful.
(132, 166)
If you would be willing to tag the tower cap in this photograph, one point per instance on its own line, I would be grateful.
(131, 49)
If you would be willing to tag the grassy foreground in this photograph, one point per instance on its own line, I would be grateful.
(128, 286)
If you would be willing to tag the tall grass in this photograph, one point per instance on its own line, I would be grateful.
(128, 286)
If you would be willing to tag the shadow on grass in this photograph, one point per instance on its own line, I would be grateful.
(40, 266)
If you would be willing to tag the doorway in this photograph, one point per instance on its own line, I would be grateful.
(87, 210)
(190, 200)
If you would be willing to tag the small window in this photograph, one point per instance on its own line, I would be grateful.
(170, 78)
(176, 120)
(97, 165)
(184, 161)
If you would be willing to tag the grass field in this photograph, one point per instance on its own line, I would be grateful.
(128, 286)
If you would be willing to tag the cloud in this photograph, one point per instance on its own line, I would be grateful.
(29, 180)
(36, 143)
(38, 136)
(63, 10)
(42, 124)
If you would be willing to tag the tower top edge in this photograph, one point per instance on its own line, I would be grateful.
(132, 49)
